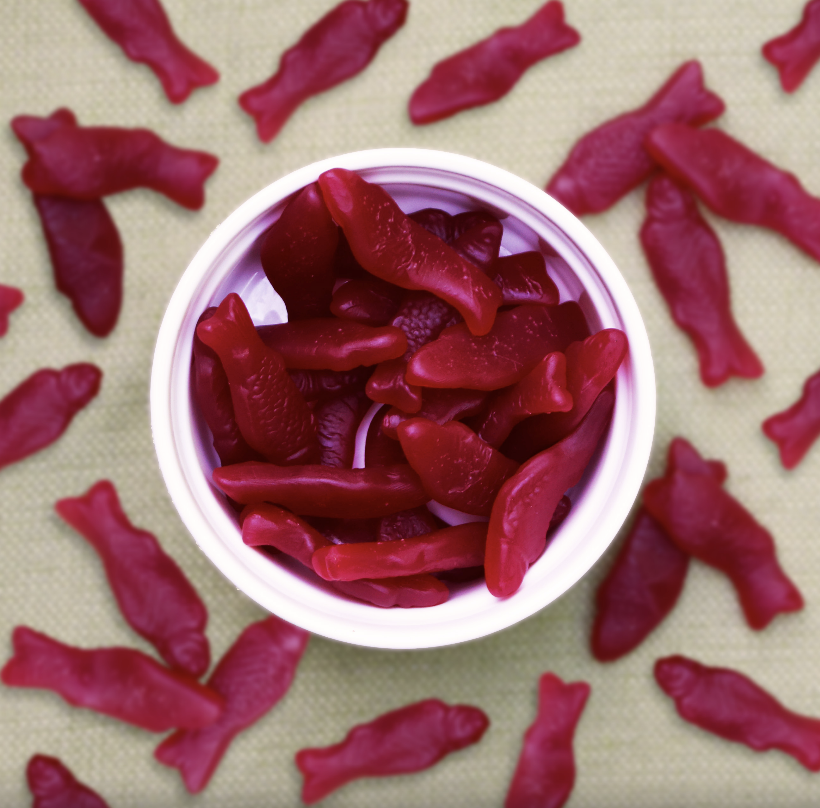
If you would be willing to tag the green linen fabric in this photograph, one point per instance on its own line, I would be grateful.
(631, 747)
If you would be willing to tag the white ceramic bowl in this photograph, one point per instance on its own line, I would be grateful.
(229, 261)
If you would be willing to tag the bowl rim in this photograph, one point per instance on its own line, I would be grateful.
(397, 630)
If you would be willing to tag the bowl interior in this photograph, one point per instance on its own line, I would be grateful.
(229, 262)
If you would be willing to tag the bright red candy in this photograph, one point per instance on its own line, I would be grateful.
(545, 774)
(737, 183)
(524, 507)
(271, 413)
(608, 162)
(411, 591)
(53, 786)
(142, 29)
(253, 676)
(518, 341)
(88, 162)
(324, 491)
(450, 548)
(391, 246)
(40, 409)
(403, 741)
(647, 576)
(298, 254)
(119, 682)
(440, 406)
(795, 429)
(271, 526)
(10, 298)
(728, 704)
(153, 594)
(83, 242)
(796, 52)
(709, 524)
(456, 467)
(591, 366)
(334, 49)
(327, 343)
(689, 267)
(488, 70)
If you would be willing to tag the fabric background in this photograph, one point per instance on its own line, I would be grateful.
(631, 747)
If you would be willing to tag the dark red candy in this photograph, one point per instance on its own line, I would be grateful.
(708, 523)
(730, 705)
(298, 254)
(369, 301)
(456, 467)
(403, 741)
(213, 397)
(379, 449)
(334, 49)
(480, 241)
(253, 676)
(407, 592)
(327, 343)
(271, 413)
(10, 298)
(324, 491)
(391, 246)
(53, 786)
(542, 390)
(545, 773)
(83, 242)
(435, 221)
(337, 422)
(525, 504)
(119, 682)
(40, 409)
(407, 524)
(795, 429)
(153, 594)
(440, 406)
(316, 385)
(796, 52)
(689, 267)
(488, 70)
(737, 183)
(591, 366)
(142, 29)
(94, 161)
(608, 162)
(269, 525)
(523, 278)
(518, 341)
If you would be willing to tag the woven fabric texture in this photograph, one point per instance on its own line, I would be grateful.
(632, 749)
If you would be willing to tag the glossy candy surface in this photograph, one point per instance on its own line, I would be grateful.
(315, 490)
(142, 29)
(488, 70)
(711, 525)
(518, 341)
(270, 412)
(440, 406)
(796, 52)
(10, 298)
(795, 429)
(298, 253)
(403, 741)
(337, 422)
(456, 467)
(52, 785)
(334, 49)
(738, 184)
(369, 301)
(522, 278)
(252, 677)
(119, 682)
(154, 595)
(407, 592)
(689, 267)
(728, 704)
(525, 505)
(39, 410)
(609, 161)
(646, 579)
(269, 525)
(88, 162)
(545, 773)
(449, 548)
(415, 258)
